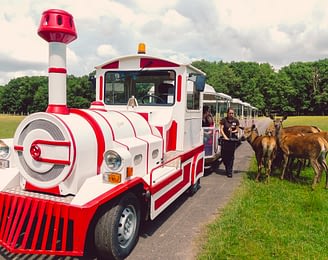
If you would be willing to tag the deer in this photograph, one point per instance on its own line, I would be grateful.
(305, 146)
(297, 130)
(264, 147)
(293, 129)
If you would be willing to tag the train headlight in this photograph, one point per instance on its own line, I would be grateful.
(117, 165)
(4, 155)
(4, 150)
(113, 160)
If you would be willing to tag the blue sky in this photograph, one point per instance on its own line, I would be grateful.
(278, 32)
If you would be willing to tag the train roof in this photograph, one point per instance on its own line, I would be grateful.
(145, 61)
(210, 93)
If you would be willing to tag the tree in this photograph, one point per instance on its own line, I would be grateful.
(80, 92)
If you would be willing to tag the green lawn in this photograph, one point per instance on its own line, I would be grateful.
(282, 219)
(275, 220)
(8, 125)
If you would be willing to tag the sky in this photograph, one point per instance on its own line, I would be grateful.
(277, 32)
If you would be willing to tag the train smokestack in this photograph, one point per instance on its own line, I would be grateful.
(57, 27)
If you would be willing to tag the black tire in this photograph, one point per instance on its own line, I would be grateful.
(117, 230)
(194, 188)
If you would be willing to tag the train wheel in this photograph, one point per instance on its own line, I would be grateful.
(194, 188)
(116, 232)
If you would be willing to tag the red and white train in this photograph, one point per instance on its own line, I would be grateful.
(71, 178)
(98, 172)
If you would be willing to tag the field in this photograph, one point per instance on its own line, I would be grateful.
(8, 125)
(275, 220)
(282, 219)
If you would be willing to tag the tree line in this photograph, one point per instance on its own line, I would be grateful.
(300, 88)
(27, 95)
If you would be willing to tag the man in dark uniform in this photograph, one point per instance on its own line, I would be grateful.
(229, 129)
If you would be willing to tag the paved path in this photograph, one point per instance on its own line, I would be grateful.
(174, 234)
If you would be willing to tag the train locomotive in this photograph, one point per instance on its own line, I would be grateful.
(78, 177)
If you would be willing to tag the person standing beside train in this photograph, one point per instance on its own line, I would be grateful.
(229, 129)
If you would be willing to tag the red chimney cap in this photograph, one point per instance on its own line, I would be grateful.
(57, 26)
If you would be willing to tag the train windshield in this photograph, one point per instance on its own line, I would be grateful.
(150, 88)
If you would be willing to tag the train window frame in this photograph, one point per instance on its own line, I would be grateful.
(144, 85)
(193, 97)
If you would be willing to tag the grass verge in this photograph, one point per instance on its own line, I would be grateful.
(281, 219)
(8, 125)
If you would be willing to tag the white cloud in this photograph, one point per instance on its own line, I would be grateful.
(106, 50)
(278, 32)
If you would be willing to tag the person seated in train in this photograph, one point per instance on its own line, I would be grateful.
(208, 120)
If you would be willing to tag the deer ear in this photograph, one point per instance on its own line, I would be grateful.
(271, 116)
(284, 117)
(253, 126)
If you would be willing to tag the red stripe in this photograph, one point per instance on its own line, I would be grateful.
(57, 109)
(160, 185)
(19, 148)
(53, 190)
(101, 84)
(171, 137)
(54, 143)
(47, 225)
(27, 204)
(200, 167)
(156, 63)
(144, 115)
(166, 196)
(56, 226)
(29, 225)
(57, 70)
(112, 65)
(111, 130)
(98, 132)
(184, 157)
(38, 225)
(179, 88)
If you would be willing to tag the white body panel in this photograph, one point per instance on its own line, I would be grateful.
(57, 81)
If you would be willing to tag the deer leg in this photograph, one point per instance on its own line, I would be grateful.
(316, 169)
(290, 168)
(300, 165)
(321, 168)
(268, 169)
(284, 166)
(259, 168)
(324, 165)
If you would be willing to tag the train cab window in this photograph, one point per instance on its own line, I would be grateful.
(114, 93)
(152, 87)
(166, 92)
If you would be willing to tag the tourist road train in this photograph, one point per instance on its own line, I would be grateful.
(78, 178)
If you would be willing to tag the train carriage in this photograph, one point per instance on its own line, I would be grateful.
(218, 104)
(125, 159)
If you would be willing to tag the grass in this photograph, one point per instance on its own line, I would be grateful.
(8, 125)
(280, 219)
(274, 220)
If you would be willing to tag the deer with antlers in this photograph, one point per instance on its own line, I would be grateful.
(304, 146)
(264, 147)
